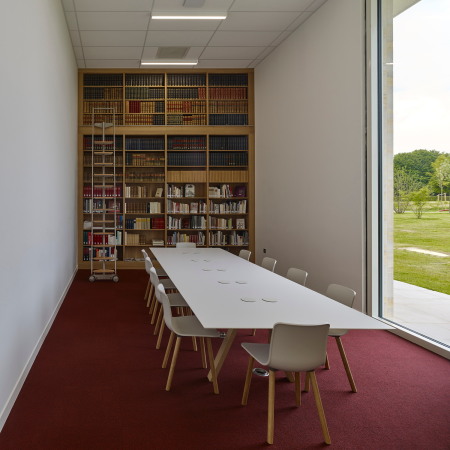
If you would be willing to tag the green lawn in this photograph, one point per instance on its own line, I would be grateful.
(431, 232)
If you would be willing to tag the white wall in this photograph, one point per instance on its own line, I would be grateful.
(310, 145)
(38, 163)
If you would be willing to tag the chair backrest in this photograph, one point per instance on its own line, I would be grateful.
(245, 254)
(268, 263)
(148, 264)
(144, 253)
(161, 293)
(298, 348)
(342, 294)
(297, 275)
(154, 279)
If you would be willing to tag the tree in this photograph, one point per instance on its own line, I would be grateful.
(441, 176)
(419, 199)
(418, 162)
(405, 184)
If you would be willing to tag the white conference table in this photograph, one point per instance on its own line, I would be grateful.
(227, 292)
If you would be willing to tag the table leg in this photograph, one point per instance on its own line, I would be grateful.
(223, 352)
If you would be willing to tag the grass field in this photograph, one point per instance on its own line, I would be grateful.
(431, 232)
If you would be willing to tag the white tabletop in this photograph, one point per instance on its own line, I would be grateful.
(214, 282)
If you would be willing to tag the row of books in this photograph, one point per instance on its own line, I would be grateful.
(87, 142)
(96, 205)
(228, 93)
(103, 159)
(228, 119)
(89, 106)
(223, 107)
(100, 177)
(226, 223)
(199, 238)
(144, 93)
(198, 207)
(137, 106)
(191, 223)
(98, 118)
(90, 238)
(228, 207)
(184, 106)
(186, 119)
(144, 119)
(103, 93)
(103, 79)
(144, 191)
(234, 238)
(228, 79)
(192, 92)
(144, 79)
(186, 142)
(228, 142)
(186, 159)
(186, 79)
(143, 160)
(135, 239)
(227, 191)
(187, 190)
(144, 143)
(143, 207)
(228, 159)
(144, 177)
(109, 252)
(186, 176)
(144, 223)
(100, 191)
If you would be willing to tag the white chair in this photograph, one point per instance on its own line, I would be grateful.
(184, 326)
(149, 291)
(268, 263)
(245, 254)
(346, 296)
(297, 275)
(185, 245)
(292, 348)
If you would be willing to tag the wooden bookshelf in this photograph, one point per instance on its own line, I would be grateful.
(184, 157)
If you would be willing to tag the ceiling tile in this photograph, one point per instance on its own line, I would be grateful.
(113, 5)
(257, 21)
(113, 63)
(67, 5)
(113, 20)
(231, 52)
(270, 5)
(81, 64)
(78, 52)
(177, 5)
(113, 38)
(266, 52)
(281, 38)
(71, 20)
(75, 37)
(112, 52)
(225, 63)
(193, 53)
(300, 19)
(177, 38)
(236, 38)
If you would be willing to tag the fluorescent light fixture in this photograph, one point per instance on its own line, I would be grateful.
(189, 16)
(169, 62)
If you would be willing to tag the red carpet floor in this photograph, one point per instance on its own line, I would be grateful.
(97, 383)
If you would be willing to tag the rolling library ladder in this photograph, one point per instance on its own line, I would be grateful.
(104, 203)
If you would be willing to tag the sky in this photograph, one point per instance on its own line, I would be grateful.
(422, 77)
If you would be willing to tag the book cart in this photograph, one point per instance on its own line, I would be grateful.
(103, 201)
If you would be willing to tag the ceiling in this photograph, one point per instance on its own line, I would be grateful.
(121, 33)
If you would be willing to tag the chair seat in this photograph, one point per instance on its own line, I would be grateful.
(177, 300)
(167, 283)
(190, 326)
(337, 332)
(161, 272)
(259, 351)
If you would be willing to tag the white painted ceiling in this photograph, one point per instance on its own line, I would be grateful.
(119, 33)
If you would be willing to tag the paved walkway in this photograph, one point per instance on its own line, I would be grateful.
(422, 310)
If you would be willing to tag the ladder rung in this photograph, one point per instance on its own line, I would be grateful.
(104, 258)
(104, 271)
(104, 142)
(103, 153)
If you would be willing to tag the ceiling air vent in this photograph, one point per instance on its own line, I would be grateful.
(172, 52)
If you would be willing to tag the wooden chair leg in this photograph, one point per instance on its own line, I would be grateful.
(159, 321)
(147, 288)
(248, 380)
(298, 394)
(153, 302)
(160, 334)
(151, 294)
(211, 364)
(271, 408)
(203, 352)
(327, 362)
(346, 365)
(323, 420)
(194, 343)
(155, 312)
(173, 363)
(307, 383)
(254, 332)
(169, 347)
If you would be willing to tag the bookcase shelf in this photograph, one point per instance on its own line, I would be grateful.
(183, 160)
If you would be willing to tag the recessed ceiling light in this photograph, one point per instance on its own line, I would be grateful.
(189, 16)
(162, 62)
